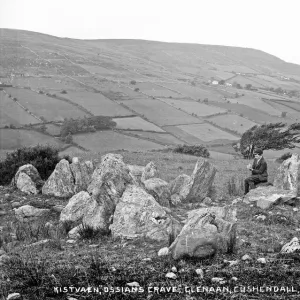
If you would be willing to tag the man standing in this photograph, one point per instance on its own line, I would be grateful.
(258, 169)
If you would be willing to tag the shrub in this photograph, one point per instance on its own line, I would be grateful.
(44, 158)
(64, 92)
(132, 82)
(136, 89)
(196, 150)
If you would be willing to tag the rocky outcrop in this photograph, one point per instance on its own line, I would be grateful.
(291, 247)
(28, 213)
(25, 184)
(285, 186)
(82, 173)
(139, 215)
(61, 181)
(158, 188)
(150, 171)
(206, 232)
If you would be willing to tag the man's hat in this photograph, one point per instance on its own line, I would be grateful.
(258, 151)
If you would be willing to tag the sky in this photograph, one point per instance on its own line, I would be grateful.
(268, 25)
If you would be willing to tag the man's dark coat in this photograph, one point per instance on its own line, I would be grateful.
(260, 169)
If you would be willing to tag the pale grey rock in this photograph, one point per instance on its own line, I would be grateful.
(163, 251)
(177, 185)
(13, 296)
(150, 171)
(291, 246)
(200, 183)
(206, 232)
(175, 199)
(82, 172)
(61, 181)
(28, 213)
(139, 215)
(286, 177)
(76, 208)
(158, 188)
(25, 184)
(29, 170)
(4, 258)
(74, 233)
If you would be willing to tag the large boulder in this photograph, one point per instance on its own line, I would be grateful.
(286, 177)
(285, 186)
(198, 186)
(207, 231)
(61, 181)
(139, 215)
(76, 208)
(136, 172)
(178, 188)
(28, 213)
(30, 171)
(25, 184)
(158, 188)
(82, 172)
(150, 171)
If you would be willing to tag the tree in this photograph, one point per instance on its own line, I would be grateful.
(275, 136)
(283, 114)
(248, 86)
(222, 82)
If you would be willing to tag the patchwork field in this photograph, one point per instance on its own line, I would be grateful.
(289, 104)
(207, 132)
(11, 113)
(232, 122)
(277, 82)
(193, 107)
(159, 112)
(50, 108)
(111, 140)
(235, 68)
(182, 135)
(194, 92)
(165, 138)
(281, 107)
(242, 80)
(251, 113)
(257, 104)
(156, 90)
(17, 138)
(136, 123)
(97, 104)
(39, 83)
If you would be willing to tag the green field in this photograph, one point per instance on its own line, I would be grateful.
(136, 123)
(242, 80)
(207, 132)
(257, 104)
(165, 138)
(232, 122)
(156, 90)
(11, 113)
(97, 104)
(194, 92)
(110, 140)
(17, 138)
(159, 112)
(251, 113)
(41, 105)
(193, 107)
(182, 135)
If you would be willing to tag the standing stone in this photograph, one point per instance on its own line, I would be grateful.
(286, 177)
(178, 183)
(82, 172)
(136, 172)
(61, 181)
(158, 188)
(150, 171)
(29, 170)
(25, 184)
(206, 232)
(139, 215)
(76, 208)
(200, 183)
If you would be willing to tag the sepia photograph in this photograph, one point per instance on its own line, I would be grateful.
(149, 149)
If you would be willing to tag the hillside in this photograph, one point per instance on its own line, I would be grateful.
(158, 94)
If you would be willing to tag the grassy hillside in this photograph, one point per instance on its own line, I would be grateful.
(167, 85)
